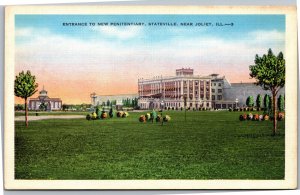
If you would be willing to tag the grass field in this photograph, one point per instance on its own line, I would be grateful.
(209, 145)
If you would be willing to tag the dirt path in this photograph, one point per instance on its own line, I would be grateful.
(33, 118)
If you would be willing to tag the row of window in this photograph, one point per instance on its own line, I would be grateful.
(215, 84)
(219, 90)
(219, 97)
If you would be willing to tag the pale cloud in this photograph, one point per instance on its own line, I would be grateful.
(262, 35)
(126, 32)
(100, 59)
(23, 32)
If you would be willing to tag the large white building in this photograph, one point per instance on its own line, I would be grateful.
(172, 91)
(209, 91)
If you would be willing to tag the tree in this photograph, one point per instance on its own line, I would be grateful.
(43, 106)
(281, 103)
(250, 101)
(65, 107)
(25, 86)
(267, 102)
(259, 101)
(269, 72)
(19, 107)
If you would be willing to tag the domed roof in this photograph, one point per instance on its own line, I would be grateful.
(43, 92)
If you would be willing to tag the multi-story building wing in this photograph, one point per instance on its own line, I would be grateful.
(172, 91)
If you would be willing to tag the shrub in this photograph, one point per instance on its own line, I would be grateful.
(104, 115)
(153, 115)
(266, 117)
(120, 113)
(261, 117)
(167, 118)
(245, 117)
(111, 113)
(280, 116)
(98, 112)
(241, 117)
(148, 116)
(250, 116)
(256, 117)
(88, 117)
(94, 116)
(158, 118)
(142, 118)
(280, 103)
(125, 114)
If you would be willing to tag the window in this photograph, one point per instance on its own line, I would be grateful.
(213, 97)
(213, 90)
(215, 84)
(219, 90)
(219, 84)
(219, 97)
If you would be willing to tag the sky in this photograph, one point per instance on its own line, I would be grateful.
(71, 62)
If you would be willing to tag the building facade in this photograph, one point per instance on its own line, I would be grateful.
(183, 89)
(48, 103)
(209, 91)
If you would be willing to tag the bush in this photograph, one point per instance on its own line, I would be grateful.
(88, 117)
(125, 114)
(241, 117)
(167, 118)
(153, 115)
(280, 116)
(266, 117)
(256, 117)
(120, 113)
(98, 112)
(250, 116)
(158, 118)
(94, 116)
(142, 118)
(261, 117)
(104, 115)
(148, 116)
(111, 113)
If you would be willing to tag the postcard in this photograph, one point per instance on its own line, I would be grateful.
(150, 97)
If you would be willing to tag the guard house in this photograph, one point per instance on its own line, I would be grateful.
(43, 98)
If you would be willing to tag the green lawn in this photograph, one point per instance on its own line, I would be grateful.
(209, 145)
